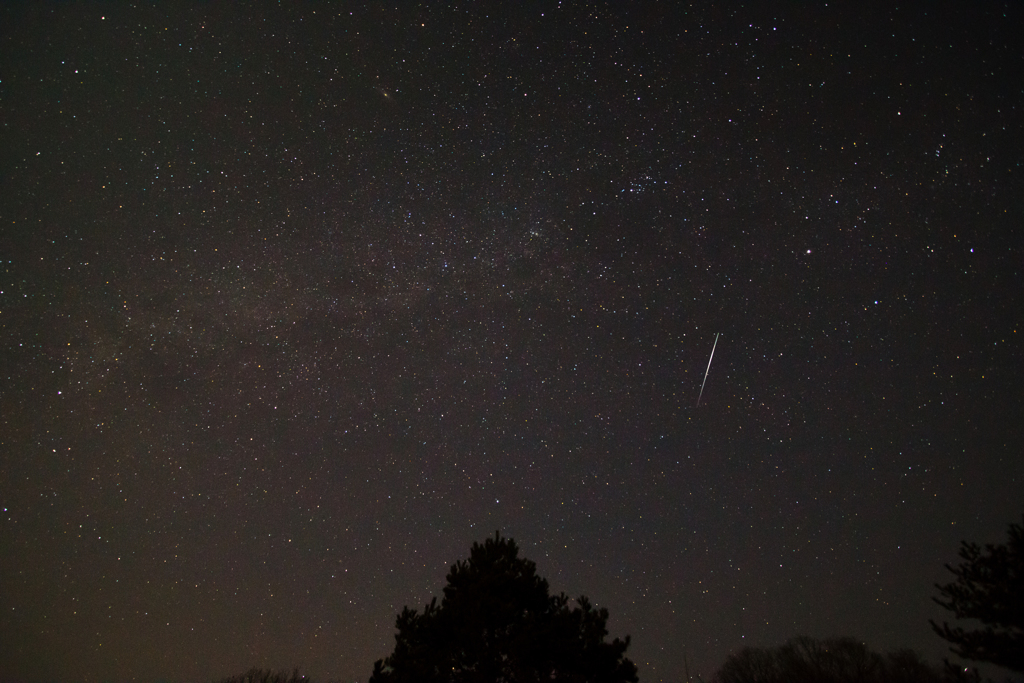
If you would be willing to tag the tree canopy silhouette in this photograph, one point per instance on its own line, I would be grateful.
(497, 622)
(255, 675)
(835, 660)
(989, 587)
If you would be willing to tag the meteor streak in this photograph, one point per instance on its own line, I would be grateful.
(708, 370)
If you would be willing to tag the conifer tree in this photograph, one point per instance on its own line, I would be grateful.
(989, 587)
(497, 622)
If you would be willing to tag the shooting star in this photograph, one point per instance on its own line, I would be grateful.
(708, 370)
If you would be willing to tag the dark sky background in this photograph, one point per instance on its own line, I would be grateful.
(299, 301)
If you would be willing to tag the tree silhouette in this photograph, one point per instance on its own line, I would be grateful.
(989, 587)
(497, 622)
(255, 675)
(836, 660)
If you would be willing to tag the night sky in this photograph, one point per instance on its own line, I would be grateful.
(300, 301)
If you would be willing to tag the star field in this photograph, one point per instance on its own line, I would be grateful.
(298, 301)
